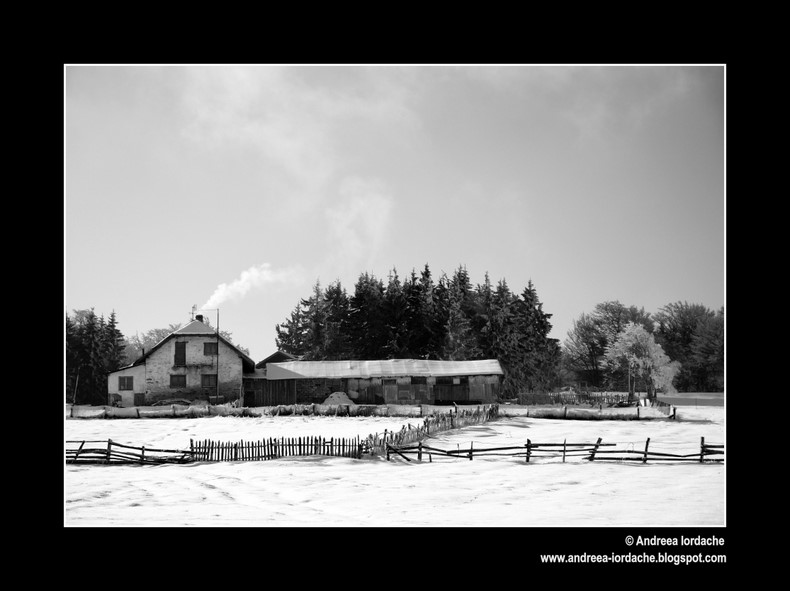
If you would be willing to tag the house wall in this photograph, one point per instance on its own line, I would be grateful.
(116, 396)
(153, 376)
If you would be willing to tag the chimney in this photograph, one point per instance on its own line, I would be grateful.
(199, 317)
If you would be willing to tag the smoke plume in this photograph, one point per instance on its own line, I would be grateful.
(256, 277)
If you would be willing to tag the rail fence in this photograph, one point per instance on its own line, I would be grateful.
(112, 452)
(597, 451)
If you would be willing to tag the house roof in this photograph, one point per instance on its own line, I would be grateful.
(382, 368)
(196, 327)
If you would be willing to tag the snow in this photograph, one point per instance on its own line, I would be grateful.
(489, 491)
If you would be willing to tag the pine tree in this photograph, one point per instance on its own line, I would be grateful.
(114, 343)
(396, 319)
(337, 343)
(315, 314)
(290, 334)
(460, 340)
(366, 325)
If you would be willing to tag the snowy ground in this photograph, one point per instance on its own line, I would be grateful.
(372, 492)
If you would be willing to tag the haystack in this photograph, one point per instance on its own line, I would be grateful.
(339, 398)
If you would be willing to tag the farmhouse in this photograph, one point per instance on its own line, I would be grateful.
(391, 381)
(193, 363)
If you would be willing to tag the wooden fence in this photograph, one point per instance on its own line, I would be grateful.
(379, 444)
(588, 451)
(112, 452)
(269, 449)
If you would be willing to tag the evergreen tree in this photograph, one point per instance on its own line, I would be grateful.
(367, 330)
(89, 369)
(114, 344)
(441, 316)
(396, 319)
(460, 341)
(290, 334)
(315, 315)
(417, 324)
(73, 346)
(337, 309)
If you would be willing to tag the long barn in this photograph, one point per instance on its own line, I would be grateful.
(391, 381)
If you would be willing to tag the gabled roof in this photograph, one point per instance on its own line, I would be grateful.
(381, 368)
(276, 357)
(196, 327)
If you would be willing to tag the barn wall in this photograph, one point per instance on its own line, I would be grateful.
(400, 390)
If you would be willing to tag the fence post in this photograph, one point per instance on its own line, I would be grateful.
(564, 441)
(142, 457)
(529, 449)
(109, 445)
(419, 451)
(701, 449)
(595, 449)
(471, 448)
(644, 458)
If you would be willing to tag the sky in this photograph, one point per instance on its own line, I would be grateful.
(488, 491)
(236, 188)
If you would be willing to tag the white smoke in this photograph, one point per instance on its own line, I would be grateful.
(256, 277)
(358, 223)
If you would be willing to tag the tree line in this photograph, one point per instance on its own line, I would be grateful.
(681, 347)
(419, 318)
(94, 348)
(614, 347)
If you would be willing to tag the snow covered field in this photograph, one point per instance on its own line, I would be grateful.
(372, 492)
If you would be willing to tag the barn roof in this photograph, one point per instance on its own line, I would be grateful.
(381, 368)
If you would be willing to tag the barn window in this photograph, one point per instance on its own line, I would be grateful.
(208, 380)
(181, 354)
(210, 348)
(125, 382)
(178, 381)
(422, 380)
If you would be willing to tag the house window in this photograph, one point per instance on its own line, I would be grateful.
(181, 354)
(177, 381)
(208, 380)
(125, 382)
(210, 348)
